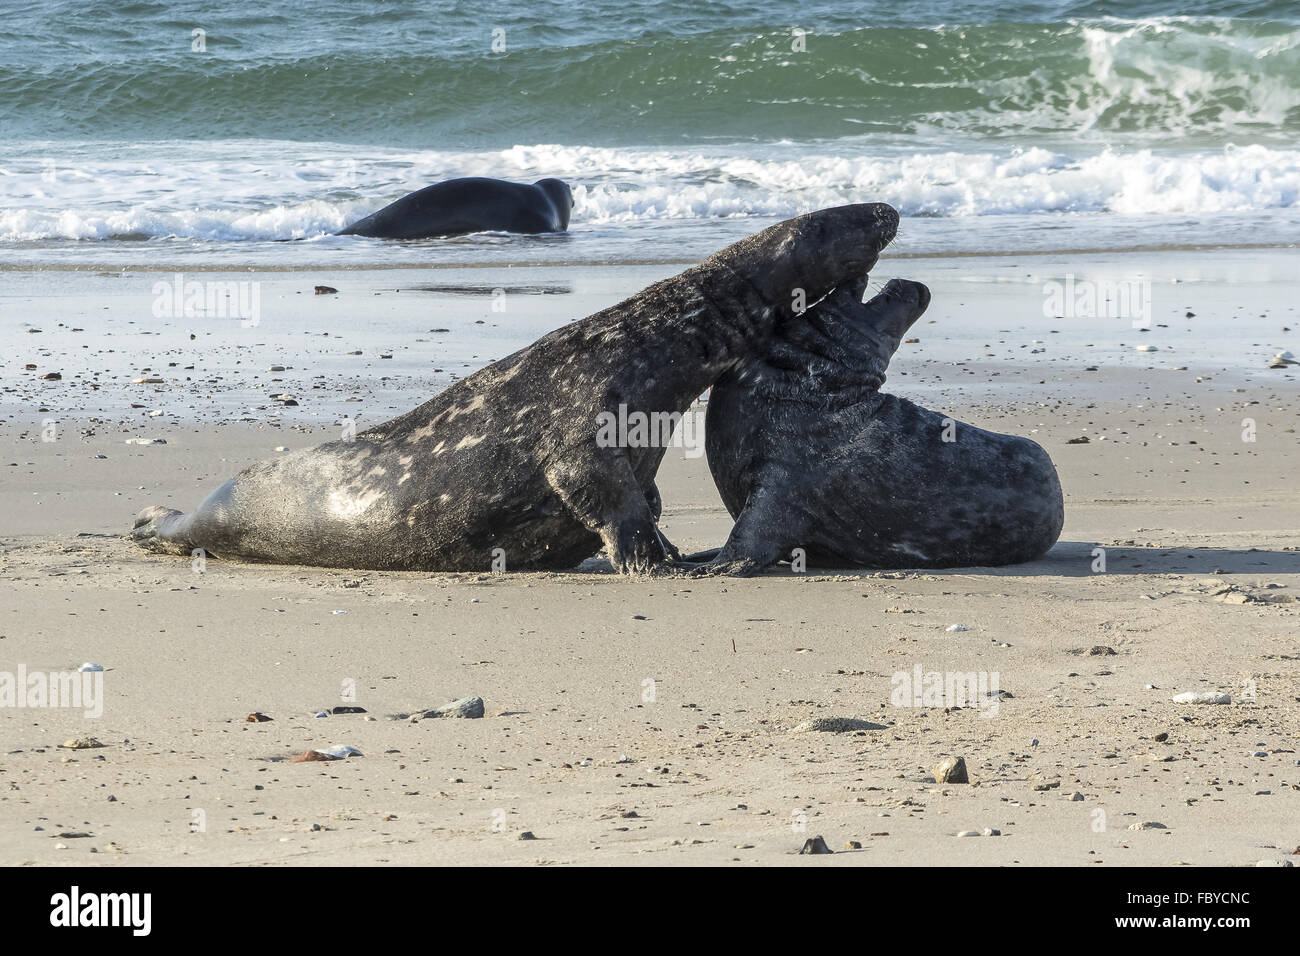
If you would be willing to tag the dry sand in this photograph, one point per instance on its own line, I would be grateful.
(635, 721)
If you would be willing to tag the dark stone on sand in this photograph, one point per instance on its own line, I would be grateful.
(469, 707)
(814, 845)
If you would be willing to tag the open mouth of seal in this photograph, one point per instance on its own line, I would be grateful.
(847, 314)
(847, 340)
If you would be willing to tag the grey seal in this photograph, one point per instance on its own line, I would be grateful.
(511, 457)
(474, 204)
(807, 452)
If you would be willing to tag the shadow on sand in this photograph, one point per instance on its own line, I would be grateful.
(1075, 559)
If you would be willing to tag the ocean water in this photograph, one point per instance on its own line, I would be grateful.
(168, 134)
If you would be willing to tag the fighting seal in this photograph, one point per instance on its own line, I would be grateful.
(459, 206)
(807, 452)
(509, 459)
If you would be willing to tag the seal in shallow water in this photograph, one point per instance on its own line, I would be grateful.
(808, 453)
(510, 458)
(459, 206)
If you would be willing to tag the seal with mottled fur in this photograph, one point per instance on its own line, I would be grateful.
(474, 204)
(510, 458)
(807, 452)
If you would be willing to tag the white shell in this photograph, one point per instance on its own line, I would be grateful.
(340, 751)
(1202, 697)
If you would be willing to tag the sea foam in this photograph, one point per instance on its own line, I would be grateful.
(296, 191)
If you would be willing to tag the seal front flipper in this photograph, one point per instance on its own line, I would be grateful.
(699, 557)
(656, 503)
(757, 541)
(601, 490)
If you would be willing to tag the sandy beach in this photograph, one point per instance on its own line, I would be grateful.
(653, 720)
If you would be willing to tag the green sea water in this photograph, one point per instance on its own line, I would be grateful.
(213, 130)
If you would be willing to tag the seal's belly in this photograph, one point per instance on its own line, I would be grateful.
(361, 505)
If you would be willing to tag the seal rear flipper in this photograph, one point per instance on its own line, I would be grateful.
(164, 530)
(601, 491)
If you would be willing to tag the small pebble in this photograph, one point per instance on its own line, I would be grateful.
(467, 707)
(951, 770)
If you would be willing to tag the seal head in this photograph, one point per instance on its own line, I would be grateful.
(561, 197)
